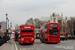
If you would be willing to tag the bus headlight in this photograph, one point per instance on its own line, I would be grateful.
(45, 35)
(22, 39)
(32, 39)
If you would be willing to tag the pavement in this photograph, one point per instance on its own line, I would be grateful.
(38, 45)
(8, 46)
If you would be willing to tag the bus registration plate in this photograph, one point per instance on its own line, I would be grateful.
(27, 41)
(53, 41)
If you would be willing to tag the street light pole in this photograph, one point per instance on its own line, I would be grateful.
(6, 22)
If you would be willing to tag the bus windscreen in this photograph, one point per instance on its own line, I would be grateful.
(53, 25)
(27, 30)
(53, 32)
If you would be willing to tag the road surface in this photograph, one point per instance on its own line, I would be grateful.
(63, 45)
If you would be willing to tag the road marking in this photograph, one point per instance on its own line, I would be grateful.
(42, 44)
(20, 49)
(15, 46)
(25, 48)
(71, 44)
(37, 48)
(30, 48)
(64, 47)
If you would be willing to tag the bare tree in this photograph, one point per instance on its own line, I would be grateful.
(37, 23)
(29, 21)
(70, 26)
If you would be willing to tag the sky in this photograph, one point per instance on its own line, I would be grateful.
(20, 10)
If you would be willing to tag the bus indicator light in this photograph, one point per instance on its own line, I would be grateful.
(32, 39)
(22, 39)
(50, 28)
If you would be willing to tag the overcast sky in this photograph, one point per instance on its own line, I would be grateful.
(21, 10)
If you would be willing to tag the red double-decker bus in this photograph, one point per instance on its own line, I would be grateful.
(26, 34)
(50, 33)
(15, 35)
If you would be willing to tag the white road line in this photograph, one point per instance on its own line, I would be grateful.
(51, 45)
(42, 44)
(71, 44)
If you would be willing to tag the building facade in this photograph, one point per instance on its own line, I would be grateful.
(3, 26)
(56, 18)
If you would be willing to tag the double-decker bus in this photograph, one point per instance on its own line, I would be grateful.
(50, 33)
(16, 34)
(26, 34)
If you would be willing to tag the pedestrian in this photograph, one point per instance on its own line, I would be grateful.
(1, 37)
(17, 35)
(7, 37)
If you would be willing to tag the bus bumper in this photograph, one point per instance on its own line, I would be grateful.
(22, 42)
(27, 40)
(53, 41)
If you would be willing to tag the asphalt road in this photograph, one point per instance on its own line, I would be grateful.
(63, 45)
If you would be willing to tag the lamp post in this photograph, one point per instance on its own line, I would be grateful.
(6, 21)
(8, 24)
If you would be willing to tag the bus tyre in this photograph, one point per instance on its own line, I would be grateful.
(46, 42)
(20, 43)
(41, 40)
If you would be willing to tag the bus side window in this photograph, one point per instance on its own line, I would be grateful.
(46, 26)
(42, 35)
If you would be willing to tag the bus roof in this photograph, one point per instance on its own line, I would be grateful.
(27, 25)
(49, 23)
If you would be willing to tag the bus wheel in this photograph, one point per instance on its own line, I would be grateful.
(41, 40)
(46, 42)
(20, 43)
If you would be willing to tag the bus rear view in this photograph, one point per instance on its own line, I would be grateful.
(54, 33)
(50, 33)
(27, 34)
